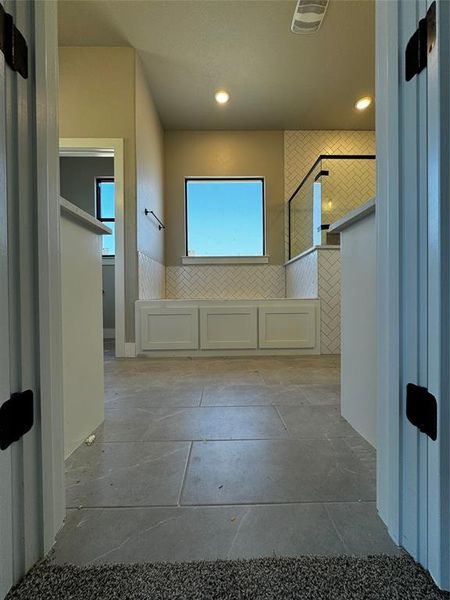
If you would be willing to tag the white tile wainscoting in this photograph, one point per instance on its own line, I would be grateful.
(316, 274)
(233, 282)
(227, 327)
(152, 277)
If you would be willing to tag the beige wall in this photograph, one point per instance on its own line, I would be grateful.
(103, 93)
(223, 153)
(149, 170)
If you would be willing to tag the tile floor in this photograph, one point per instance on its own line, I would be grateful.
(221, 458)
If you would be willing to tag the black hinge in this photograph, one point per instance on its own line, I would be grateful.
(16, 418)
(421, 409)
(13, 44)
(421, 44)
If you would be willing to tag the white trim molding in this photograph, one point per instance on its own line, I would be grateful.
(109, 147)
(224, 260)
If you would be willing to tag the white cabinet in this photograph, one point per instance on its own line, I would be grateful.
(171, 328)
(288, 326)
(228, 327)
(203, 327)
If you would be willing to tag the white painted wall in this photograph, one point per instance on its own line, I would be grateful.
(81, 271)
(358, 327)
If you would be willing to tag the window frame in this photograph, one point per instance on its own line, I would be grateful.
(223, 258)
(98, 181)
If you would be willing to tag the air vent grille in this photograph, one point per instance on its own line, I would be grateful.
(308, 16)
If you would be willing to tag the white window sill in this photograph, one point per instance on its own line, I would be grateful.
(224, 260)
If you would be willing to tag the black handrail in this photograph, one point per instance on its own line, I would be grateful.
(150, 212)
(305, 178)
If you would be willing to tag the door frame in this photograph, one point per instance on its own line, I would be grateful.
(47, 231)
(413, 485)
(109, 147)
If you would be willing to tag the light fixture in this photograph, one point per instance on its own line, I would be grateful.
(222, 97)
(363, 103)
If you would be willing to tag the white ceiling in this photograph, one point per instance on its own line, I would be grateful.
(276, 79)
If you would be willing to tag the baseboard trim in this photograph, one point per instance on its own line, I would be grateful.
(130, 350)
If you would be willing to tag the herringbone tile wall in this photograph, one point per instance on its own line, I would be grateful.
(329, 273)
(152, 278)
(318, 275)
(301, 149)
(234, 282)
(349, 184)
(302, 277)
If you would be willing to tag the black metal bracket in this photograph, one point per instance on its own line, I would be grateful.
(421, 409)
(13, 44)
(320, 174)
(16, 418)
(160, 223)
(421, 44)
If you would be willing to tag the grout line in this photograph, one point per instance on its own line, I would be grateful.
(282, 420)
(243, 439)
(183, 479)
(335, 527)
(223, 505)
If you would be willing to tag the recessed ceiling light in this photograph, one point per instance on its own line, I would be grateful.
(363, 103)
(222, 97)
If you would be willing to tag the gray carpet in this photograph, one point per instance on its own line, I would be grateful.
(306, 578)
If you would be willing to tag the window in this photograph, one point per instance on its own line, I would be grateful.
(105, 209)
(225, 217)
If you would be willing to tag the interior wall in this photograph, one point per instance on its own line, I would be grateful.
(97, 100)
(77, 184)
(149, 191)
(77, 179)
(222, 154)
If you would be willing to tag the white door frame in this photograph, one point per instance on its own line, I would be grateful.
(413, 283)
(112, 147)
(47, 227)
(438, 515)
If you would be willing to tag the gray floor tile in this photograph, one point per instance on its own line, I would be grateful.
(252, 395)
(323, 393)
(195, 533)
(315, 421)
(214, 423)
(301, 374)
(155, 397)
(361, 529)
(230, 487)
(270, 471)
(126, 474)
(125, 424)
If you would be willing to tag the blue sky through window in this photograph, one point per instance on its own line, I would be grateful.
(225, 217)
(107, 215)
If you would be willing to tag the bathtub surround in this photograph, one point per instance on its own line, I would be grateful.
(227, 327)
(152, 278)
(226, 281)
(316, 274)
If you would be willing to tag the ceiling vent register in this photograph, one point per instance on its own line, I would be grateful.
(308, 16)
